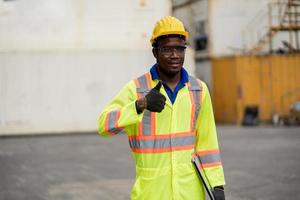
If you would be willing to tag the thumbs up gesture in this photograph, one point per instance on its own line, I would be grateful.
(154, 101)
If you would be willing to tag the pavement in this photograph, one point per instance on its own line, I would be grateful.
(260, 163)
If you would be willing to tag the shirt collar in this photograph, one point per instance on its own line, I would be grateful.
(184, 74)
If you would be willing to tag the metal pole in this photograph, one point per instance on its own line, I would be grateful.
(270, 28)
(279, 12)
(291, 41)
(296, 25)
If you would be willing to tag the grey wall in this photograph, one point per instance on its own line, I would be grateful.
(62, 91)
(61, 61)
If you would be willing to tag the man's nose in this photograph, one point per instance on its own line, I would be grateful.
(174, 54)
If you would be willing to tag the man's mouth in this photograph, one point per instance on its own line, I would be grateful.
(174, 64)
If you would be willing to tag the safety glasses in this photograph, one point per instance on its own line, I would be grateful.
(172, 49)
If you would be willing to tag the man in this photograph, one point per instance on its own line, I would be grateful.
(168, 118)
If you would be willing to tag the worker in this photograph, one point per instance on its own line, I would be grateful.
(168, 117)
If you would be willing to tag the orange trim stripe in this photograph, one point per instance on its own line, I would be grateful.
(151, 137)
(116, 126)
(148, 78)
(200, 95)
(202, 153)
(139, 95)
(107, 125)
(153, 123)
(215, 164)
(162, 150)
(140, 129)
(137, 84)
(117, 119)
(192, 110)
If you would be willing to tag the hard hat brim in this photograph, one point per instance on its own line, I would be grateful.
(183, 33)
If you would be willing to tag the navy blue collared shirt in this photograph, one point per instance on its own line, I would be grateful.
(171, 94)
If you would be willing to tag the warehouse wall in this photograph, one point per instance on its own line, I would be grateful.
(62, 91)
(62, 60)
(78, 24)
(227, 19)
(193, 14)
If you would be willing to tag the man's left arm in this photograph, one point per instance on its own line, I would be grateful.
(207, 147)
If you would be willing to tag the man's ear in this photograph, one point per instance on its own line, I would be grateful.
(154, 52)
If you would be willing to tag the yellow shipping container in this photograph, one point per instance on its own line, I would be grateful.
(270, 82)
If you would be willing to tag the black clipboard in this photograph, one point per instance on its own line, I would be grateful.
(197, 165)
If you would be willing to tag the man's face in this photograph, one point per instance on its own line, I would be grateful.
(170, 55)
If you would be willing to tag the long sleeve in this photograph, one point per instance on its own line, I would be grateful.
(207, 148)
(120, 114)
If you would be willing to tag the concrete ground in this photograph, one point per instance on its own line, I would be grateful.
(261, 163)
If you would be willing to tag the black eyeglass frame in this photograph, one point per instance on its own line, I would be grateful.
(168, 50)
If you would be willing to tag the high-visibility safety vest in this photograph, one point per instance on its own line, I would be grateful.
(163, 144)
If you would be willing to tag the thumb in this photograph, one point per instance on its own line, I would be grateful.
(158, 86)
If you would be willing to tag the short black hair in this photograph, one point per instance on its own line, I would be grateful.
(155, 43)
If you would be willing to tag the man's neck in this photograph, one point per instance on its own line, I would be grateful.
(171, 81)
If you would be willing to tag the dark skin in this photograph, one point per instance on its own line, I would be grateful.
(169, 66)
(169, 69)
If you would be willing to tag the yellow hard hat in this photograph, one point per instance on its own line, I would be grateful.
(168, 26)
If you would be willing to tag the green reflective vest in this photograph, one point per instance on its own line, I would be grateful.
(163, 144)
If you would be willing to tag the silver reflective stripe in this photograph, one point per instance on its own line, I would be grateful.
(196, 88)
(146, 121)
(143, 90)
(162, 143)
(210, 158)
(194, 85)
(112, 121)
(116, 130)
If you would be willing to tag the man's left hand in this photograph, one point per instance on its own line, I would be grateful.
(219, 193)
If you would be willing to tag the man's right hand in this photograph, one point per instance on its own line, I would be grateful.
(154, 101)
